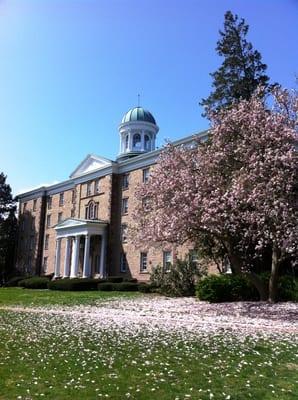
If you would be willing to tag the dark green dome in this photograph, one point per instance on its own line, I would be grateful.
(138, 114)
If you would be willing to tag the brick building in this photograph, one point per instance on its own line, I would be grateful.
(79, 227)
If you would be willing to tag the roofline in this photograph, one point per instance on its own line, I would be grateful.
(130, 164)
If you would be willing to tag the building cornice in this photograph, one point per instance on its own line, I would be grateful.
(140, 161)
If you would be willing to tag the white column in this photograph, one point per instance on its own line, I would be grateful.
(57, 258)
(130, 135)
(142, 140)
(86, 265)
(67, 258)
(102, 255)
(75, 257)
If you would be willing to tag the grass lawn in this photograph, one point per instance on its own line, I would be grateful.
(36, 298)
(66, 356)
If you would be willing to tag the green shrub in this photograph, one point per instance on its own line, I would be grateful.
(287, 288)
(179, 280)
(145, 288)
(105, 286)
(132, 280)
(115, 279)
(76, 284)
(225, 287)
(15, 281)
(126, 286)
(36, 282)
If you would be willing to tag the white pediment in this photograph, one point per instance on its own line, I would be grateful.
(70, 222)
(89, 164)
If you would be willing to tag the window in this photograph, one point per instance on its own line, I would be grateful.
(61, 199)
(97, 187)
(91, 210)
(193, 256)
(49, 203)
(146, 172)
(45, 264)
(73, 196)
(34, 204)
(143, 262)
(31, 243)
(147, 143)
(89, 188)
(60, 216)
(123, 262)
(46, 242)
(145, 203)
(126, 142)
(33, 223)
(125, 181)
(167, 260)
(72, 213)
(24, 207)
(125, 205)
(136, 141)
(124, 233)
(48, 221)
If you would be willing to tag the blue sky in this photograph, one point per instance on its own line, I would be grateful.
(70, 69)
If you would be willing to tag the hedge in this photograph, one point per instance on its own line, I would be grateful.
(118, 286)
(75, 284)
(36, 282)
(15, 281)
(226, 287)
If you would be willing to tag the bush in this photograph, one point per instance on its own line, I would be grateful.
(126, 286)
(225, 287)
(36, 282)
(105, 286)
(145, 288)
(180, 280)
(287, 288)
(75, 284)
(15, 281)
(115, 279)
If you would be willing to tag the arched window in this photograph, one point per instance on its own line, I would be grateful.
(136, 141)
(91, 210)
(126, 142)
(147, 142)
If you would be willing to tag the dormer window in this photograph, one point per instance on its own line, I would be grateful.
(91, 210)
(136, 141)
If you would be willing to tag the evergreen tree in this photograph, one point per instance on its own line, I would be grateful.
(242, 69)
(8, 229)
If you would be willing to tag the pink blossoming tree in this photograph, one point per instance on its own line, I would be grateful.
(239, 187)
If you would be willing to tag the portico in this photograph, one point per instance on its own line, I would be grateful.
(85, 247)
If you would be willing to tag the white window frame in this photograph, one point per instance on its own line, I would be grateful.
(61, 199)
(167, 260)
(124, 208)
(144, 261)
(125, 181)
(124, 233)
(123, 263)
(146, 173)
(46, 241)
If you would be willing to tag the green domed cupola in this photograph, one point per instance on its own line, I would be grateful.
(138, 131)
(138, 114)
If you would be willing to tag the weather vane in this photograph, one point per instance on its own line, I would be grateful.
(139, 100)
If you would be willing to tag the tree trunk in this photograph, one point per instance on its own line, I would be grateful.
(273, 281)
(257, 282)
